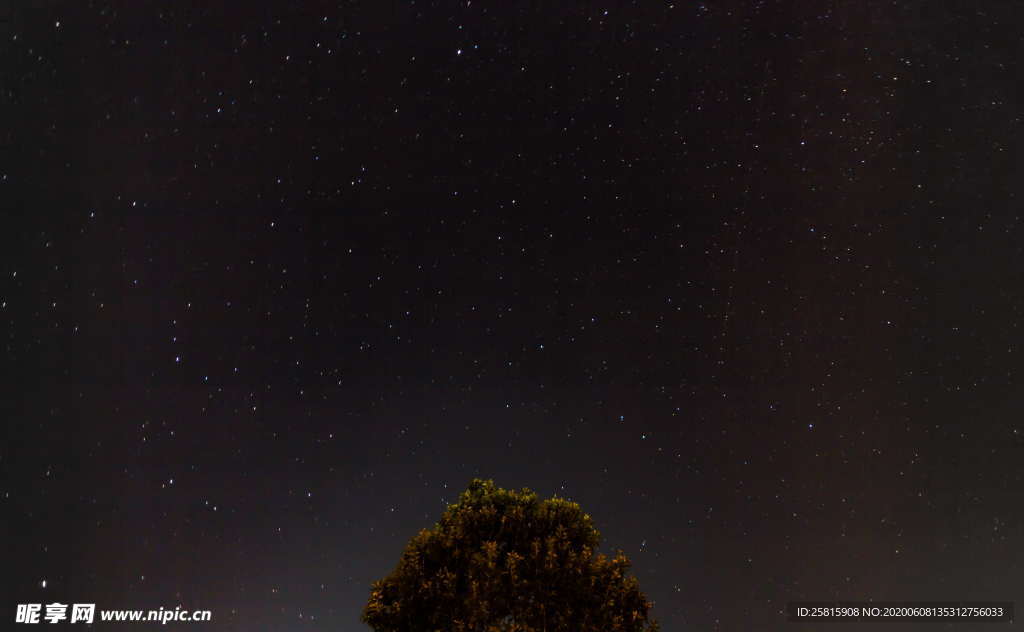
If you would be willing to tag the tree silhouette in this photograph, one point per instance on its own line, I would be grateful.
(505, 561)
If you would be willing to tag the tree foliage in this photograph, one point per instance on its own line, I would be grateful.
(506, 561)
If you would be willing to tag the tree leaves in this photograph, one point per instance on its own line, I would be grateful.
(506, 561)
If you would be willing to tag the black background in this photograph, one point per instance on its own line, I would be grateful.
(743, 279)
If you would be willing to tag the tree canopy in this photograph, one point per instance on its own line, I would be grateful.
(505, 561)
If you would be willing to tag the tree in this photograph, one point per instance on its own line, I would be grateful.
(505, 561)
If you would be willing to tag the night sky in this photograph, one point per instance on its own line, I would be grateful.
(743, 279)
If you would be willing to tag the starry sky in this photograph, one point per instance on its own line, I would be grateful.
(743, 279)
